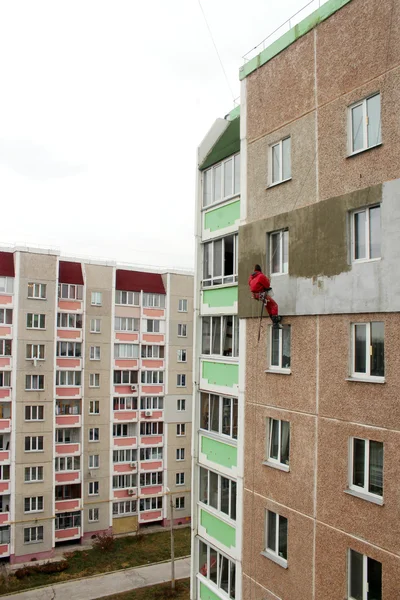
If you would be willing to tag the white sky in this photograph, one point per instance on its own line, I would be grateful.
(102, 106)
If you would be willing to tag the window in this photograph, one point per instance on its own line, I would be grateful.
(34, 382)
(68, 378)
(67, 520)
(219, 414)
(365, 124)
(218, 492)
(151, 402)
(127, 298)
(278, 441)
(5, 379)
(182, 356)
(6, 285)
(4, 472)
(33, 535)
(217, 568)
(6, 316)
(5, 535)
(152, 428)
(35, 321)
(125, 403)
(220, 261)
(180, 429)
(128, 507)
(67, 436)
(121, 430)
(126, 350)
(154, 300)
(280, 161)
(182, 305)
(69, 291)
(366, 233)
(179, 502)
(279, 252)
(33, 474)
(280, 348)
(93, 488)
(67, 463)
(94, 434)
(180, 478)
(365, 577)
(276, 536)
(366, 466)
(69, 321)
(94, 461)
(69, 349)
(152, 352)
(126, 324)
(180, 454)
(147, 479)
(124, 456)
(95, 325)
(181, 380)
(150, 503)
(368, 350)
(5, 347)
(34, 504)
(94, 353)
(94, 407)
(181, 404)
(125, 377)
(37, 290)
(96, 298)
(93, 515)
(124, 481)
(34, 413)
(152, 326)
(151, 454)
(222, 181)
(182, 330)
(152, 377)
(220, 336)
(94, 380)
(35, 351)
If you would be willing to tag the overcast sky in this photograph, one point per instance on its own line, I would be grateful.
(102, 106)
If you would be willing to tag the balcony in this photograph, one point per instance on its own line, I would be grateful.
(151, 440)
(121, 468)
(70, 305)
(126, 337)
(125, 416)
(5, 393)
(5, 488)
(150, 465)
(68, 420)
(126, 363)
(5, 425)
(151, 414)
(6, 362)
(67, 526)
(125, 442)
(72, 391)
(152, 338)
(69, 335)
(153, 313)
(67, 477)
(4, 518)
(69, 363)
(125, 493)
(68, 448)
(68, 497)
(150, 515)
(150, 490)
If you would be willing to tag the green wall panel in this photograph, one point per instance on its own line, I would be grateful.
(206, 594)
(219, 530)
(222, 217)
(218, 452)
(220, 373)
(221, 297)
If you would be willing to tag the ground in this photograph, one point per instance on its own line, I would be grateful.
(127, 552)
(156, 592)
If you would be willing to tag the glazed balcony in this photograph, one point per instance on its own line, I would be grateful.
(68, 497)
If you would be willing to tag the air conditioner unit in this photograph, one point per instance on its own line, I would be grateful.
(35, 361)
(148, 413)
(131, 492)
(133, 464)
(133, 388)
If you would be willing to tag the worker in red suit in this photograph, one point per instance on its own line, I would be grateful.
(260, 285)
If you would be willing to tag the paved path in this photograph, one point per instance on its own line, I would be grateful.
(98, 586)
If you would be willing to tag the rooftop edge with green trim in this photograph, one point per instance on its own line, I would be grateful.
(319, 15)
(227, 144)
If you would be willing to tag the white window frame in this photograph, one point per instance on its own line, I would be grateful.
(35, 535)
(96, 298)
(71, 320)
(40, 318)
(35, 351)
(95, 353)
(235, 158)
(179, 479)
(182, 305)
(6, 316)
(182, 355)
(93, 488)
(153, 300)
(119, 508)
(93, 516)
(126, 324)
(66, 464)
(206, 568)
(181, 380)
(279, 367)
(34, 412)
(365, 583)
(132, 375)
(94, 407)
(217, 494)
(95, 325)
(366, 146)
(3, 470)
(5, 379)
(357, 488)
(73, 345)
(38, 291)
(65, 378)
(235, 335)
(179, 502)
(153, 326)
(181, 405)
(92, 434)
(221, 279)
(33, 474)
(367, 258)
(155, 428)
(283, 241)
(284, 466)
(182, 330)
(124, 298)
(233, 402)
(155, 453)
(30, 383)
(279, 144)
(6, 285)
(126, 351)
(94, 461)
(274, 552)
(33, 504)
(94, 380)
(181, 429)
(367, 375)
(180, 454)
(74, 291)
(5, 344)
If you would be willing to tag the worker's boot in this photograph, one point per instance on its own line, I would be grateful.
(276, 320)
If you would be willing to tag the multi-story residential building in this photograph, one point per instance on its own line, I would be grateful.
(95, 400)
(217, 433)
(320, 213)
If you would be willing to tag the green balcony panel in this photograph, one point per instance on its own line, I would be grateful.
(206, 594)
(222, 217)
(221, 297)
(219, 530)
(223, 374)
(218, 452)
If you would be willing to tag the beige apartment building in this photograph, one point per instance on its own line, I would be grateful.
(95, 400)
(320, 211)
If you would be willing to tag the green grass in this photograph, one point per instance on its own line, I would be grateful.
(156, 592)
(127, 552)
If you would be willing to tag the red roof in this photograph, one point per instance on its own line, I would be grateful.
(7, 264)
(70, 272)
(135, 281)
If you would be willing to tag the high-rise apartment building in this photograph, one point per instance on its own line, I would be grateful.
(217, 435)
(95, 400)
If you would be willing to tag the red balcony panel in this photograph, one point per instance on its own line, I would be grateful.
(153, 515)
(153, 338)
(4, 550)
(5, 393)
(69, 363)
(127, 337)
(154, 313)
(5, 425)
(151, 490)
(5, 331)
(68, 505)
(124, 494)
(4, 518)
(153, 465)
(70, 305)
(4, 456)
(68, 534)
(152, 363)
(68, 477)
(127, 363)
(128, 415)
(68, 449)
(128, 442)
(68, 420)
(5, 361)
(124, 468)
(5, 299)
(151, 390)
(4, 487)
(69, 334)
(155, 414)
(68, 392)
(126, 390)
(151, 440)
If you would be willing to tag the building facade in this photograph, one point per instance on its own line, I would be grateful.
(320, 212)
(217, 432)
(95, 400)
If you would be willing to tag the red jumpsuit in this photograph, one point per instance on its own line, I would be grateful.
(259, 283)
